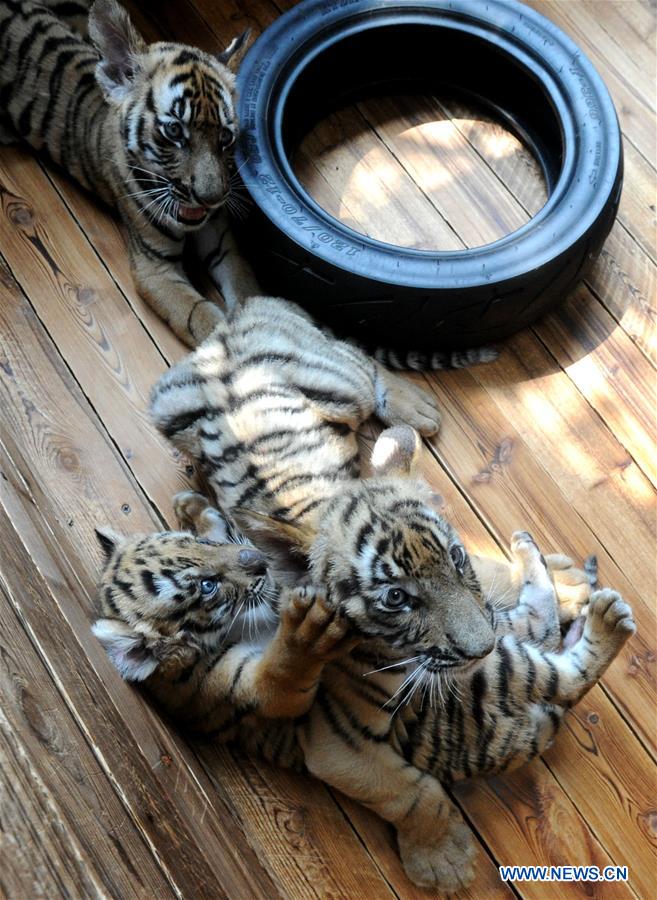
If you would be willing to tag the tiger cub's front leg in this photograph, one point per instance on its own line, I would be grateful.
(230, 272)
(310, 634)
(279, 681)
(163, 284)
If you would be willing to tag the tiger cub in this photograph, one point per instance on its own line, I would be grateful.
(357, 734)
(147, 128)
(174, 608)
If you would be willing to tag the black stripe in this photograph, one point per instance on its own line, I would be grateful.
(478, 687)
(322, 700)
(178, 423)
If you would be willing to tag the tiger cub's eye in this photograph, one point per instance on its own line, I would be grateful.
(457, 554)
(173, 130)
(208, 587)
(395, 598)
(226, 138)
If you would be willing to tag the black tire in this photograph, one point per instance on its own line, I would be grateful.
(321, 55)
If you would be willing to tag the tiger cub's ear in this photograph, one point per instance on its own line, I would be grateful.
(396, 451)
(109, 540)
(126, 648)
(234, 53)
(119, 44)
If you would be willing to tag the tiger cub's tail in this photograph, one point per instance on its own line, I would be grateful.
(419, 361)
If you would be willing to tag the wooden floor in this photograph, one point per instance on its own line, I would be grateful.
(98, 797)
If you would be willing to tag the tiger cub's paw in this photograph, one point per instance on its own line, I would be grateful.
(447, 866)
(188, 506)
(195, 513)
(573, 585)
(313, 629)
(529, 558)
(405, 403)
(609, 621)
(203, 320)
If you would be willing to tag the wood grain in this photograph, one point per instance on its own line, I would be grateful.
(64, 829)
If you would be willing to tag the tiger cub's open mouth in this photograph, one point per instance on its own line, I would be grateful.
(191, 214)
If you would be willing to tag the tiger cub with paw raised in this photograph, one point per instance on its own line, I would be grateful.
(174, 609)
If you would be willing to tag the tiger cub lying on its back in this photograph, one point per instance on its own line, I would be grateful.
(509, 707)
(148, 128)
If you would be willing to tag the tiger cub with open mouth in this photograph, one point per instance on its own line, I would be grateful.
(148, 128)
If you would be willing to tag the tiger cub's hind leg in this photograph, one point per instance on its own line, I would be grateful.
(573, 585)
(401, 402)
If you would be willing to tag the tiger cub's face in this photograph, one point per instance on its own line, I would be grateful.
(398, 569)
(166, 597)
(178, 123)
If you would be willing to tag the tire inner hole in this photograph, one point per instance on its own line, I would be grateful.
(426, 171)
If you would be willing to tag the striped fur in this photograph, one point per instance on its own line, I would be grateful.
(419, 361)
(356, 731)
(270, 405)
(488, 717)
(147, 128)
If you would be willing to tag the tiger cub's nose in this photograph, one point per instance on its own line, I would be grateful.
(253, 561)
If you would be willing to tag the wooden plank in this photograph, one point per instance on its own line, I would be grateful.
(80, 306)
(612, 782)
(65, 832)
(534, 822)
(618, 382)
(297, 816)
(344, 151)
(595, 475)
(104, 234)
(625, 280)
(443, 163)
